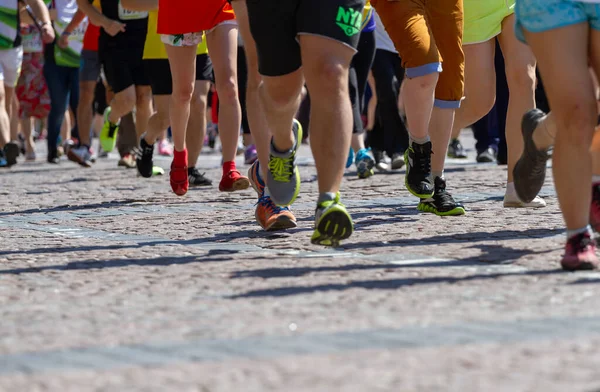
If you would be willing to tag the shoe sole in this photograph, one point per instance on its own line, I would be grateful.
(75, 158)
(583, 266)
(457, 211)
(282, 223)
(12, 153)
(334, 226)
(239, 185)
(516, 204)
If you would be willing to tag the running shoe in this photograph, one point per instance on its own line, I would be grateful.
(595, 208)
(233, 181)
(380, 161)
(456, 150)
(283, 175)
(255, 179)
(144, 158)
(165, 148)
(179, 179)
(418, 170)
(127, 161)
(398, 161)
(250, 155)
(271, 217)
(196, 178)
(30, 156)
(157, 171)
(442, 203)
(3, 162)
(11, 153)
(530, 171)
(350, 158)
(486, 156)
(108, 134)
(580, 253)
(364, 164)
(332, 223)
(80, 155)
(514, 202)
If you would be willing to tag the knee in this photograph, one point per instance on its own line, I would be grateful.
(183, 94)
(330, 76)
(142, 97)
(228, 91)
(521, 79)
(126, 98)
(279, 96)
(425, 82)
(199, 101)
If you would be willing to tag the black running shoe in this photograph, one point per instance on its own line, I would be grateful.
(196, 178)
(442, 203)
(11, 151)
(530, 171)
(456, 150)
(487, 156)
(418, 170)
(144, 158)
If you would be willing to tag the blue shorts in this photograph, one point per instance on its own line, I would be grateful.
(537, 16)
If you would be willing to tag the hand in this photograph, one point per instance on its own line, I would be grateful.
(63, 41)
(114, 28)
(47, 33)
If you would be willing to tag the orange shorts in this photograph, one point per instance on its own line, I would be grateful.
(192, 16)
(428, 37)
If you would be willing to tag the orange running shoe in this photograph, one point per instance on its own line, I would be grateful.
(255, 180)
(233, 181)
(272, 218)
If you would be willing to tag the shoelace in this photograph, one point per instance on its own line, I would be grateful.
(281, 168)
(266, 201)
(422, 160)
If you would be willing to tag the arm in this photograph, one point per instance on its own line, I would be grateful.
(63, 42)
(40, 11)
(140, 5)
(112, 27)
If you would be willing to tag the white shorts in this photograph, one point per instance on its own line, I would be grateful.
(10, 65)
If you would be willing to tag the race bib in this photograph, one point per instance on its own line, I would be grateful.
(125, 14)
(69, 56)
(32, 42)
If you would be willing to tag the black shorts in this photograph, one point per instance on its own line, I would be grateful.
(123, 68)
(159, 73)
(276, 24)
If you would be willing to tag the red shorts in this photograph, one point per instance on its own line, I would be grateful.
(192, 16)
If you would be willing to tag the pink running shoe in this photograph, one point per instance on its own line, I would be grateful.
(580, 253)
(165, 148)
(595, 208)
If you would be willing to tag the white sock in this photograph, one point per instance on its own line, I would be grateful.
(419, 140)
(572, 233)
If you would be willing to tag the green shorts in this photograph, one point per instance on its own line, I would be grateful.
(483, 19)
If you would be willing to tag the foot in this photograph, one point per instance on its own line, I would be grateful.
(487, 156)
(108, 134)
(332, 223)
(144, 158)
(515, 202)
(233, 181)
(580, 253)
(195, 178)
(442, 203)
(283, 175)
(398, 161)
(456, 150)
(127, 161)
(530, 170)
(80, 155)
(364, 164)
(53, 159)
(165, 148)
(418, 170)
(255, 178)
(271, 217)
(250, 155)
(179, 173)
(380, 161)
(30, 156)
(11, 153)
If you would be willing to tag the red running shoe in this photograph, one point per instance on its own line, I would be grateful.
(580, 253)
(179, 179)
(233, 181)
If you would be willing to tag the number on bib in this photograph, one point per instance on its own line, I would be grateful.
(125, 14)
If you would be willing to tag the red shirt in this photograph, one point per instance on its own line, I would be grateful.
(192, 16)
(90, 39)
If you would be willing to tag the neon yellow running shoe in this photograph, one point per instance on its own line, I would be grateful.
(283, 176)
(442, 203)
(108, 134)
(332, 223)
(157, 171)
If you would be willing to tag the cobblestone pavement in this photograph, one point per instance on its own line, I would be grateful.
(109, 282)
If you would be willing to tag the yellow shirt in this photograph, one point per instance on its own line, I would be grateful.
(154, 47)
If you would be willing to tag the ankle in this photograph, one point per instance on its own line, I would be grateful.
(228, 166)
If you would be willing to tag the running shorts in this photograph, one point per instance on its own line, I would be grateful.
(89, 71)
(123, 67)
(159, 72)
(192, 16)
(11, 61)
(537, 16)
(276, 25)
(426, 34)
(483, 19)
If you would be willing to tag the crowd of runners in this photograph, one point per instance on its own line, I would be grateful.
(381, 84)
